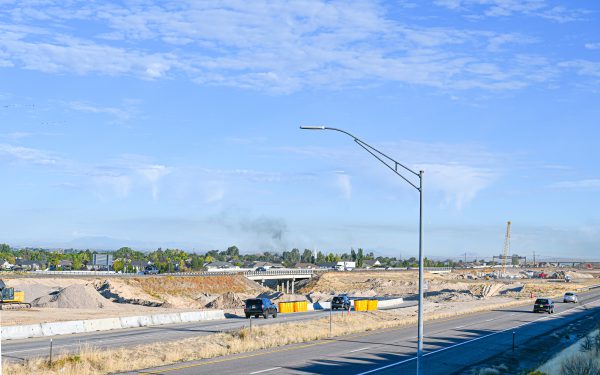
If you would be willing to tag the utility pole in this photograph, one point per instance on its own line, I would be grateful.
(534, 258)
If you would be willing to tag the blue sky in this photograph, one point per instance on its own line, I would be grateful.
(176, 124)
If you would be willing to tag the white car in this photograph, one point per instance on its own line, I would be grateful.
(570, 297)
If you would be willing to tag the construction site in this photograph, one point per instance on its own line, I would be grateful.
(50, 299)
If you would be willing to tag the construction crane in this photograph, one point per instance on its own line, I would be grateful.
(506, 249)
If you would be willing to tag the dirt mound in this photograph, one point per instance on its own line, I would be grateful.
(73, 297)
(179, 291)
(450, 296)
(227, 300)
(194, 286)
(35, 288)
(123, 291)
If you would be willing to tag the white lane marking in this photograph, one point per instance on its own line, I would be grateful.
(469, 341)
(459, 327)
(269, 369)
(358, 350)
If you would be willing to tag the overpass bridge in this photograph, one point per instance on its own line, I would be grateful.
(285, 278)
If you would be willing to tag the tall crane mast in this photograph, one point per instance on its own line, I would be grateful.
(506, 248)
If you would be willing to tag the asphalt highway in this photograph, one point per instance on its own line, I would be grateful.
(450, 345)
(18, 350)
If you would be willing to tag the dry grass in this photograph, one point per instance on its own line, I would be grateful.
(91, 361)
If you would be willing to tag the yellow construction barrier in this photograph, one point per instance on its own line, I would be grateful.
(361, 305)
(372, 305)
(300, 306)
(286, 307)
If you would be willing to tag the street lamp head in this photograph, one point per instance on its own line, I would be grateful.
(305, 127)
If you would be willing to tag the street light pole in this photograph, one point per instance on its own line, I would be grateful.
(394, 166)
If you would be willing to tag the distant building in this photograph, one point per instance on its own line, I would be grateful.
(370, 263)
(139, 265)
(28, 265)
(6, 265)
(305, 265)
(102, 261)
(65, 265)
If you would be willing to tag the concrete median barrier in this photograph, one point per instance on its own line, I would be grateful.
(62, 328)
(390, 303)
(106, 324)
(21, 331)
(194, 316)
(101, 324)
(160, 319)
(135, 321)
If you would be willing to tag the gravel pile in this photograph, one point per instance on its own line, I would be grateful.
(73, 297)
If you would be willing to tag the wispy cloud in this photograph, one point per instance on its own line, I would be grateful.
(274, 46)
(586, 184)
(128, 172)
(120, 115)
(506, 8)
(583, 67)
(459, 183)
(458, 172)
(28, 155)
(592, 46)
(344, 184)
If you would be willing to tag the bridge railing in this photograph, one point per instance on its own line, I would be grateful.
(244, 272)
(277, 272)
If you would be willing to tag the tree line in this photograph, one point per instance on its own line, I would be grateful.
(169, 260)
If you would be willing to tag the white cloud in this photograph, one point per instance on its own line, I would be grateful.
(344, 184)
(153, 173)
(120, 185)
(120, 114)
(583, 67)
(29, 155)
(592, 46)
(17, 135)
(506, 8)
(275, 46)
(457, 172)
(214, 192)
(591, 184)
(459, 183)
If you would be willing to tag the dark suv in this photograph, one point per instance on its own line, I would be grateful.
(260, 306)
(340, 302)
(544, 304)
